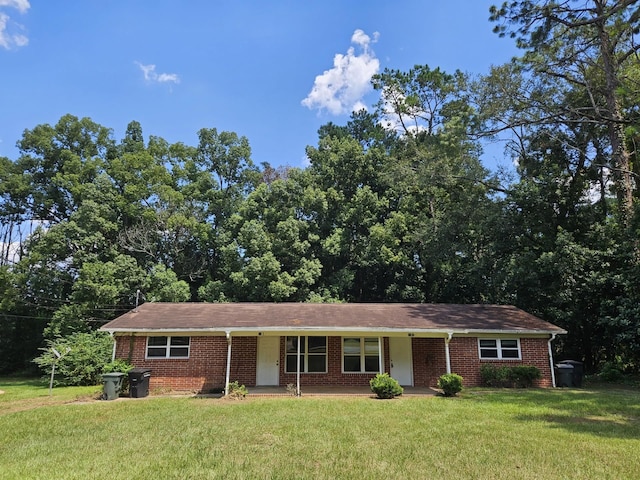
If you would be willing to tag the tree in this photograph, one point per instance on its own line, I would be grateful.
(583, 47)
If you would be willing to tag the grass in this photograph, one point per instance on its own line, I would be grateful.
(532, 434)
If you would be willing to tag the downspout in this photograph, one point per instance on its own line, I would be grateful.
(446, 351)
(226, 383)
(298, 393)
(380, 359)
(553, 373)
(113, 353)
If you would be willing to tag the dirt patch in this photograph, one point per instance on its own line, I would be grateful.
(1, 392)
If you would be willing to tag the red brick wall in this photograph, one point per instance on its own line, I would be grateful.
(206, 367)
(244, 357)
(465, 359)
(429, 361)
(204, 370)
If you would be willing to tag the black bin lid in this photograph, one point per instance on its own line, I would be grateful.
(564, 366)
(140, 370)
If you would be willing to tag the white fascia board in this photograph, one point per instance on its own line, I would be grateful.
(328, 330)
(512, 332)
(252, 330)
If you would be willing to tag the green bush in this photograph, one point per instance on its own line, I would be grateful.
(450, 383)
(523, 376)
(84, 356)
(117, 365)
(385, 386)
(611, 372)
(520, 376)
(236, 390)
(492, 376)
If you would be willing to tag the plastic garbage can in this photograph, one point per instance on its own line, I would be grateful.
(111, 385)
(578, 371)
(564, 375)
(139, 382)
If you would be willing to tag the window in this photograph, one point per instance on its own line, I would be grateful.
(168, 347)
(499, 349)
(313, 354)
(360, 354)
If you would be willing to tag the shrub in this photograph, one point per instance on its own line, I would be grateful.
(611, 372)
(521, 376)
(492, 376)
(450, 383)
(385, 386)
(237, 391)
(117, 365)
(84, 356)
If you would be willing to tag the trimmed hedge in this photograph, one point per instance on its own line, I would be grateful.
(385, 386)
(518, 376)
(450, 383)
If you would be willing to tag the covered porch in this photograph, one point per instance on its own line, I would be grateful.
(330, 362)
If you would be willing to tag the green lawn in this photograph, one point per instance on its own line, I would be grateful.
(534, 434)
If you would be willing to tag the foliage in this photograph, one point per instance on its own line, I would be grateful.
(610, 372)
(450, 383)
(519, 376)
(394, 206)
(236, 391)
(84, 356)
(523, 376)
(385, 386)
(117, 365)
(495, 376)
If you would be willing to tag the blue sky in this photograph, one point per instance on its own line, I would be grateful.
(259, 68)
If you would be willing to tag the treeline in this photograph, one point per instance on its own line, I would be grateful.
(395, 206)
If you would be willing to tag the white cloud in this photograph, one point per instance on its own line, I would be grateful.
(150, 74)
(341, 89)
(21, 5)
(8, 39)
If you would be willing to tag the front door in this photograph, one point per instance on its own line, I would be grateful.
(268, 368)
(401, 359)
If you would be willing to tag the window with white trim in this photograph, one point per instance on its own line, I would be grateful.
(313, 354)
(499, 348)
(168, 347)
(360, 355)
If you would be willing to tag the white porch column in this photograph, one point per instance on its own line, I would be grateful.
(380, 352)
(226, 384)
(446, 351)
(298, 369)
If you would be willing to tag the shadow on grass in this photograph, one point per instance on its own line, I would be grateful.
(604, 413)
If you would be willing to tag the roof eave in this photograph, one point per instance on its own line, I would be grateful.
(255, 330)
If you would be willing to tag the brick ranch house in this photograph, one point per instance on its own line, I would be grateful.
(204, 346)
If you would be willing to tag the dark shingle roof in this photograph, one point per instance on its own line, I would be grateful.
(195, 317)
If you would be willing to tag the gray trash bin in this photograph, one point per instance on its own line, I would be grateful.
(564, 375)
(139, 382)
(111, 385)
(578, 371)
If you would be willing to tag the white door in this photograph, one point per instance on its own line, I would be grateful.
(401, 359)
(268, 368)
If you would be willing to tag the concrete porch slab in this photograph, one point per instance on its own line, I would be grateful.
(314, 391)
